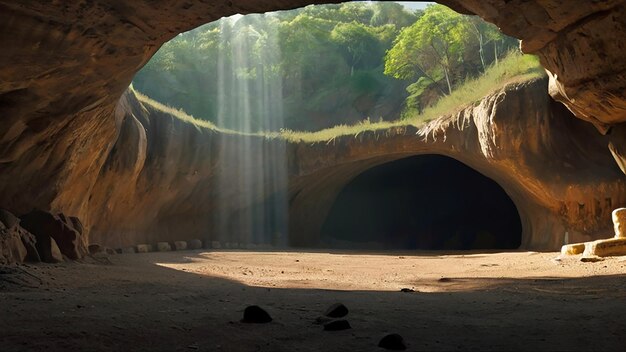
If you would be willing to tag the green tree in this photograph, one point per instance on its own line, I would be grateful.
(392, 13)
(431, 47)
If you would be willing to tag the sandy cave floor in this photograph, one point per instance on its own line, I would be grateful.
(193, 300)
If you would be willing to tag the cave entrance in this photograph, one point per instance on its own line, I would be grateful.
(426, 202)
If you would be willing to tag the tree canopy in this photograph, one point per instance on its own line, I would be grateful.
(320, 65)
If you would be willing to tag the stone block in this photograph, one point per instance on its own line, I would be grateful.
(144, 248)
(180, 245)
(194, 244)
(164, 247)
(573, 249)
(605, 248)
(619, 222)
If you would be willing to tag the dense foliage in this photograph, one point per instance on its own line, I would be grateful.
(320, 65)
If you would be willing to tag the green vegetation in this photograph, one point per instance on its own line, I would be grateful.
(514, 68)
(322, 66)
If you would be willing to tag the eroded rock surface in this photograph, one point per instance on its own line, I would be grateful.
(69, 144)
(579, 43)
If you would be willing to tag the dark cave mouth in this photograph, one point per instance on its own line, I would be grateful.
(425, 202)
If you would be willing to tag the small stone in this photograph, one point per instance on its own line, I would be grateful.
(407, 290)
(110, 251)
(180, 245)
(392, 342)
(255, 315)
(144, 248)
(337, 325)
(216, 244)
(337, 310)
(194, 244)
(163, 247)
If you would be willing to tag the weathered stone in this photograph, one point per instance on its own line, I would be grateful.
(255, 315)
(110, 251)
(194, 244)
(80, 171)
(12, 250)
(43, 224)
(30, 243)
(216, 244)
(619, 222)
(163, 247)
(54, 255)
(573, 249)
(8, 219)
(605, 248)
(392, 342)
(180, 245)
(128, 250)
(337, 310)
(337, 325)
(144, 248)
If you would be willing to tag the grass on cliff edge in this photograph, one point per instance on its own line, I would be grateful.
(514, 68)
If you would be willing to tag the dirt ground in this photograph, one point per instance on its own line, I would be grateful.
(193, 301)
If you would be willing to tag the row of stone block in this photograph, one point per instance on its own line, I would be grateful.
(176, 246)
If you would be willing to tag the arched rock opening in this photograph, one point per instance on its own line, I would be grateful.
(426, 202)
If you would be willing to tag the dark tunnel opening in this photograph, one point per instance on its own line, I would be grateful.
(427, 202)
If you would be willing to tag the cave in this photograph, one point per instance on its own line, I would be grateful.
(424, 202)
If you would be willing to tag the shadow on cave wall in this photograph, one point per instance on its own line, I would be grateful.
(422, 202)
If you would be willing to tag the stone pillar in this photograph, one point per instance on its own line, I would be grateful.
(619, 222)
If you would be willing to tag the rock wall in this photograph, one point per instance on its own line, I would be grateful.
(65, 66)
(163, 180)
(577, 42)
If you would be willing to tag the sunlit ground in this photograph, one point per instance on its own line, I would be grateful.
(194, 300)
(387, 271)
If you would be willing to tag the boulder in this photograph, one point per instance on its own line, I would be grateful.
(30, 243)
(8, 219)
(12, 250)
(163, 247)
(11, 234)
(180, 245)
(59, 227)
(127, 250)
(144, 248)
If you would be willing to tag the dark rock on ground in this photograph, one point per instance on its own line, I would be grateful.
(393, 342)
(59, 227)
(16, 244)
(337, 325)
(255, 315)
(337, 310)
(8, 219)
(407, 290)
(12, 250)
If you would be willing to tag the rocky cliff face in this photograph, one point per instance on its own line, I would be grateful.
(66, 65)
(163, 179)
(577, 42)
